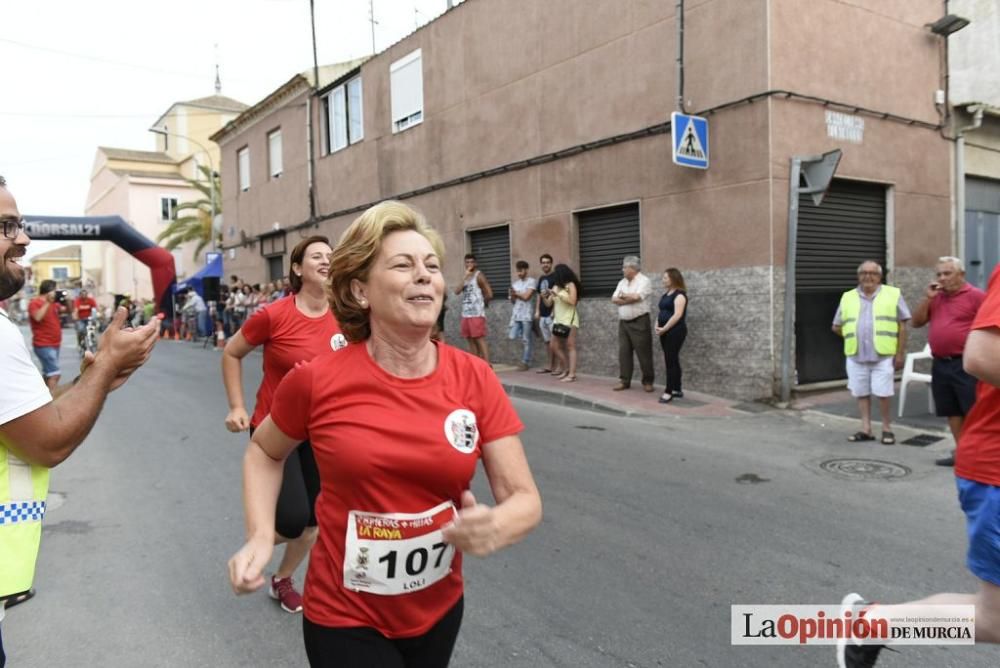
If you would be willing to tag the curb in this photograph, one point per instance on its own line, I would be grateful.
(568, 400)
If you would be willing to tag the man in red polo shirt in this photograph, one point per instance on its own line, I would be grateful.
(46, 331)
(83, 307)
(950, 306)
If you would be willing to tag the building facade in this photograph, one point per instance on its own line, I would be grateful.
(145, 188)
(519, 128)
(61, 265)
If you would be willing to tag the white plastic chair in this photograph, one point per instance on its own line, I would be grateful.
(911, 376)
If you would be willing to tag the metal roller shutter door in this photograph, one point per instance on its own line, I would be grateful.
(492, 250)
(834, 238)
(606, 236)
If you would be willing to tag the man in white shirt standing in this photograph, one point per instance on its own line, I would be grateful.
(522, 315)
(39, 428)
(634, 328)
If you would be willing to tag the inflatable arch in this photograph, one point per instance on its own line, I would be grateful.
(116, 230)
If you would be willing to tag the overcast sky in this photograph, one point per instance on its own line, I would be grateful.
(78, 75)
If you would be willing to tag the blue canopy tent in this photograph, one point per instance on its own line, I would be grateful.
(213, 269)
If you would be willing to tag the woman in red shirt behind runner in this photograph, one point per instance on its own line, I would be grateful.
(293, 329)
(398, 423)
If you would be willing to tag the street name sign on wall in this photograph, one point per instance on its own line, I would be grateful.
(690, 140)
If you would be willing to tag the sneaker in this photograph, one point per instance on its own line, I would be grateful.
(850, 655)
(283, 591)
(521, 366)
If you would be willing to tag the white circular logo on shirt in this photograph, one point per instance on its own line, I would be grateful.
(461, 431)
(338, 341)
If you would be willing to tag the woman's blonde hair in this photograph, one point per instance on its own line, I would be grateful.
(357, 249)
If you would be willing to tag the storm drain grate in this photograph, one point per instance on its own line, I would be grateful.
(865, 469)
(922, 440)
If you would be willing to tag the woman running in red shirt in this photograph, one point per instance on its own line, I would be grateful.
(293, 329)
(398, 423)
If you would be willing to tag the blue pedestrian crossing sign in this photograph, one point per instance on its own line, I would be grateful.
(690, 140)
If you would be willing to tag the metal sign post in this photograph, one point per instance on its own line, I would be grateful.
(817, 171)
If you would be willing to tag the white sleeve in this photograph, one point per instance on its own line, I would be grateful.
(22, 389)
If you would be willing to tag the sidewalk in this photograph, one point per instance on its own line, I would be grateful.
(595, 393)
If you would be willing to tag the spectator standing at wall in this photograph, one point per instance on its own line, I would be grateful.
(476, 295)
(950, 305)
(872, 320)
(634, 328)
(563, 298)
(46, 330)
(543, 314)
(671, 329)
(522, 292)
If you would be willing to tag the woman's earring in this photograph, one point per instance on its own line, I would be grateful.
(363, 302)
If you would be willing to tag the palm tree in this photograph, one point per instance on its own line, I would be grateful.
(192, 220)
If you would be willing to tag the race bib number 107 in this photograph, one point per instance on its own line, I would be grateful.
(397, 553)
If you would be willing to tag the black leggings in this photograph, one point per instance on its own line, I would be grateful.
(296, 507)
(365, 647)
(671, 343)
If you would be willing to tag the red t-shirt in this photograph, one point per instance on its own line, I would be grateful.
(388, 446)
(951, 319)
(83, 307)
(289, 336)
(978, 455)
(47, 332)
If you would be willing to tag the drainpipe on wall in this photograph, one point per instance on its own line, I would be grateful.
(679, 14)
(977, 120)
(310, 149)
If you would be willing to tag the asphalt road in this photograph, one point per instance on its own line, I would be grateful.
(647, 540)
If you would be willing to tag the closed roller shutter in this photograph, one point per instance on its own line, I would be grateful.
(606, 236)
(492, 250)
(834, 238)
(982, 229)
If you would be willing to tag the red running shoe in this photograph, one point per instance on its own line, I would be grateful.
(283, 591)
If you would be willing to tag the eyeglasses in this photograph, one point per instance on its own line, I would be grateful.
(868, 273)
(12, 227)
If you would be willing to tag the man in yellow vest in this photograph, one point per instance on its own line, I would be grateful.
(872, 320)
(39, 428)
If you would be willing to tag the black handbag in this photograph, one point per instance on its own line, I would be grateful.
(560, 330)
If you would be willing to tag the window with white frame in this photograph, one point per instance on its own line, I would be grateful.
(243, 167)
(344, 124)
(274, 153)
(406, 89)
(168, 205)
(60, 273)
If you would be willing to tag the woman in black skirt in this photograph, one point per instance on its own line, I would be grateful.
(671, 327)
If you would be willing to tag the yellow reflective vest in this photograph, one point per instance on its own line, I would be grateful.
(885, 327)
(23, 489)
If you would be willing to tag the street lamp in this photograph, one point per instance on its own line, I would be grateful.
(211, 168)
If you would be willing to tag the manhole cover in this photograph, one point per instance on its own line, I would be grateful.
(865, 469)
(923, 440)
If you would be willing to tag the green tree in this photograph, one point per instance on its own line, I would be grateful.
(192, 220)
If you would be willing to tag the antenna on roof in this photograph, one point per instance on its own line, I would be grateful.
(371, 19)
(218, 81)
